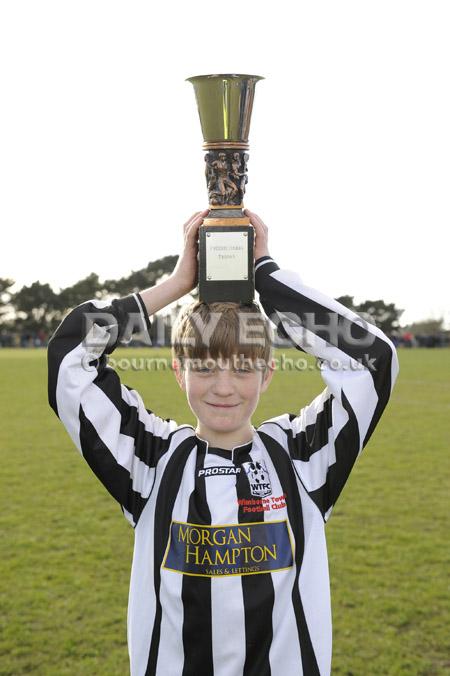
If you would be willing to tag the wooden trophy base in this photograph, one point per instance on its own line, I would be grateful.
(226, 258)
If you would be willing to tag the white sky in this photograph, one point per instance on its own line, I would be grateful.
(100, 143)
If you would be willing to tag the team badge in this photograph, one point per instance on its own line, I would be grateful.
(258, 478)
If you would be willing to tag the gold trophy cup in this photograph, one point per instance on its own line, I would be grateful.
(226, 238)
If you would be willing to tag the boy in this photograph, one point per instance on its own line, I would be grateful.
(230, 573)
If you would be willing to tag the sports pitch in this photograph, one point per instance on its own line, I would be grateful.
(66, 549)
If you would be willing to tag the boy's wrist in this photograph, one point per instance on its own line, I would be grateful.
(159, 296)
(264, 266)
(261, 255)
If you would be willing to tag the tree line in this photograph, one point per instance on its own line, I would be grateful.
(38, 309)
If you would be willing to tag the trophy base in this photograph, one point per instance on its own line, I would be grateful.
(226, 265)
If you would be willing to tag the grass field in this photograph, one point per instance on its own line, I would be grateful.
(66, 548)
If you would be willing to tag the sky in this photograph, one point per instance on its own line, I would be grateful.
(101, 158)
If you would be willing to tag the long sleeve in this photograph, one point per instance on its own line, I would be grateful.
(119, 438)
(358, 364)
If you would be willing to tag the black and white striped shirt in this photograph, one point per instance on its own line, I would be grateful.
(230, 572)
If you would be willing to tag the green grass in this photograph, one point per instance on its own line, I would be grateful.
(66, 548)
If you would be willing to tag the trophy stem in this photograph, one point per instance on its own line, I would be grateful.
(226, 178)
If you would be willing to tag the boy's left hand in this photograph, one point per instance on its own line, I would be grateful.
(185, 272)
(261, 247)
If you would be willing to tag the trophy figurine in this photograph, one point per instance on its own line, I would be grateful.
(226, 265)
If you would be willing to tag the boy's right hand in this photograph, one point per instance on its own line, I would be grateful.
(185, 272)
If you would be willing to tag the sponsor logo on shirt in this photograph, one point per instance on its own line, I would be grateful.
(232, 549)
(218, 471)
(258, 478)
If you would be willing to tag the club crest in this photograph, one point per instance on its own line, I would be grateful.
(258, 478)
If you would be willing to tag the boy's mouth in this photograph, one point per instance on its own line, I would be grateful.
(222, 405)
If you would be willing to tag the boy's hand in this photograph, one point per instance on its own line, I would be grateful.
(261, 247)
(185, 273)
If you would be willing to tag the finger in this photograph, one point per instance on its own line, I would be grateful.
(253, 217)
(189, 221)
(259, 220)
(199, 216)
(262, 226)
(256, 220)
(193, 227)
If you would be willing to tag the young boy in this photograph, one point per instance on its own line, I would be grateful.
(230, 573)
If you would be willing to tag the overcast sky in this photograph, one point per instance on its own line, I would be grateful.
(101, 155)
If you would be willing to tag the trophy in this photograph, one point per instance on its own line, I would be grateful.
(226, 238)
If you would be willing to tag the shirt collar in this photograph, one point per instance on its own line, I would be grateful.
(239, 449)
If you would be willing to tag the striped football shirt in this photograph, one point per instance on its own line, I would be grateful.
(229, 574)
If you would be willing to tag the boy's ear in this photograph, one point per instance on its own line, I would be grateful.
(179, 373)
(268, 375)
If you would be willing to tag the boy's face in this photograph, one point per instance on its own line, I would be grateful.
(223, 394)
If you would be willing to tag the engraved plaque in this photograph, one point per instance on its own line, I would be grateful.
(226, 256)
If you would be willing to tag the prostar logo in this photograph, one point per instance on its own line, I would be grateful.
(219, 470)
(258, 478)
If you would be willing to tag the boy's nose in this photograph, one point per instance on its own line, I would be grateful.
(223, 384)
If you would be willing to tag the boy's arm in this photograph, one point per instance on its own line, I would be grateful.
(121, 440)
(108, 422)
(358, 364)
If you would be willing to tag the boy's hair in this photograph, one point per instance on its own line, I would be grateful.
(222, 330)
